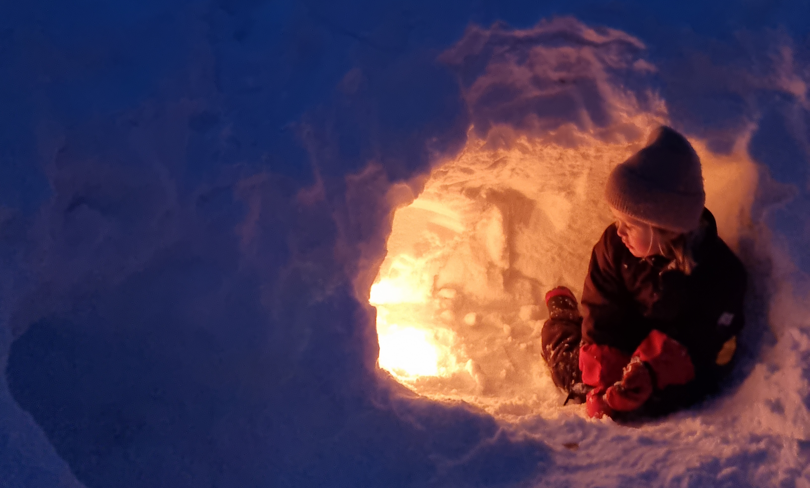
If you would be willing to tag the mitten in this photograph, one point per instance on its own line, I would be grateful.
(633, 390)
(595, 404)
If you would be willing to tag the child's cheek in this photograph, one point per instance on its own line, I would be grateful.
(635, 241)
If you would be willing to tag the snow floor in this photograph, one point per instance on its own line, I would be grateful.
(197, 197)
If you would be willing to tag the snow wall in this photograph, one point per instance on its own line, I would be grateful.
(196, 199)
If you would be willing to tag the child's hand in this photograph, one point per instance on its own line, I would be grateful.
(595, 404)
(634, 388)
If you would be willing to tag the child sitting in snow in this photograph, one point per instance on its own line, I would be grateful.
(663, 299)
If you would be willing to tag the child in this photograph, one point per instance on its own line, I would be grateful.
(663, 299)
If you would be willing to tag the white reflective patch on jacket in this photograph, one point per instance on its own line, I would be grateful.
(725, 319)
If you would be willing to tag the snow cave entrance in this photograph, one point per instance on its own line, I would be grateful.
(459, 296)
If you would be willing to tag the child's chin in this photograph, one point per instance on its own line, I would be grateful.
(633, 250)
(635, 253)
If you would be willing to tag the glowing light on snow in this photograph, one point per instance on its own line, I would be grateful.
(388, 291)
(414, 350)
(408, 352)
(413, 340)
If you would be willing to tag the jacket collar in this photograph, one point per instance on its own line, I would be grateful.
(707, 236)
(705, 241)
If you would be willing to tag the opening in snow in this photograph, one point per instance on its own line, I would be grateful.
(459, 296)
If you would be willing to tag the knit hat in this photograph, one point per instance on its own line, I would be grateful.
(662, 184)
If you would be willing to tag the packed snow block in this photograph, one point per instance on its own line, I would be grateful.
(469, 448)
(403, 115)
(29, 460)
(778, 142)
(780, 145)
(552, 82)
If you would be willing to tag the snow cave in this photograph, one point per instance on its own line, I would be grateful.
(247, 243)
(459, 294)
(458, 297)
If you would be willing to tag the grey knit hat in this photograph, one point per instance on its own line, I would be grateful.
(662, 184)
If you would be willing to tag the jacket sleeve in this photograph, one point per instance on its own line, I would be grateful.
(605, 298)
(601, 365)
(605, 346)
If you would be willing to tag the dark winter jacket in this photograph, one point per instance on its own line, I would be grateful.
(626, 298)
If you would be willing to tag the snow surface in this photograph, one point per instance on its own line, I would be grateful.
(195, 198)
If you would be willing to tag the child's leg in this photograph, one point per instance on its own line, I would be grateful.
(560, 340)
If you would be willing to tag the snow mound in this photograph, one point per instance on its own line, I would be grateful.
(196, 199)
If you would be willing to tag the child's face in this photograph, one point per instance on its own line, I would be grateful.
(638, 236)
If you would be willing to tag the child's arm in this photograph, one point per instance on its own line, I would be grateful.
(608, 335)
